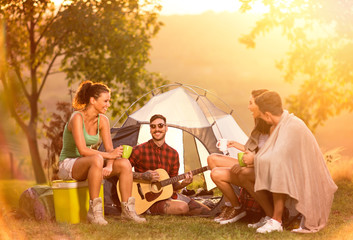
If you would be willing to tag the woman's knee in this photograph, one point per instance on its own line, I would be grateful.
(212, 159)
(122, 165)
(97, 160)
(216, 174)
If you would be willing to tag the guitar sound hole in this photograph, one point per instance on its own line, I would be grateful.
(156, 187)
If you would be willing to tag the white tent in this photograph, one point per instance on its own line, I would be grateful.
(194, 125)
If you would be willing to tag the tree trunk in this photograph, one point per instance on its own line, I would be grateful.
(36, 160)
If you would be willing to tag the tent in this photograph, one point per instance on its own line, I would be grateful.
(194, 125)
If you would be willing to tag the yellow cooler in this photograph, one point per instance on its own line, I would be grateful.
(71, 200)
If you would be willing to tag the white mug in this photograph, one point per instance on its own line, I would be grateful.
(222, 145)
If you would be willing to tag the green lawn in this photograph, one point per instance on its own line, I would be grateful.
(340, 224)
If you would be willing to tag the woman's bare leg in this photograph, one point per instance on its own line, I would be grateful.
(122, 168)
(89, 168)
(222, 177)
(219, 160)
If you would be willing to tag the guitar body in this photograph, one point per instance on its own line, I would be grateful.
(146, 194)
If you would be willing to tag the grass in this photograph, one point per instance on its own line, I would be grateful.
(340, 225)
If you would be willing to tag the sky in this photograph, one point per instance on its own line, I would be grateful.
(171, 7)
(181, 7)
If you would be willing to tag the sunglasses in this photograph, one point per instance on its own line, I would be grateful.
(160, 125)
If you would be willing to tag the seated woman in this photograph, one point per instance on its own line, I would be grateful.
(291, 168)
(80, 162)
(226, 170)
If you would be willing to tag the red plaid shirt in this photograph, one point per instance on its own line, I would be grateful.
(148, 156)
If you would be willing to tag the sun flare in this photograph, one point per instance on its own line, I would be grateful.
(199, 6)
(57, 2)
(171, 7)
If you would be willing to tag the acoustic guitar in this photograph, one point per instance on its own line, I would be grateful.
(146, 193)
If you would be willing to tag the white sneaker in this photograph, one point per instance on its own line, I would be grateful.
(259, 223)
(270, 226)
(233, 216)
(297, 230)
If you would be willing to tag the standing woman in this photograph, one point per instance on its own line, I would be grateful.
(79, 161)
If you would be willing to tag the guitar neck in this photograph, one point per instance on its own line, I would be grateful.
(182, 176)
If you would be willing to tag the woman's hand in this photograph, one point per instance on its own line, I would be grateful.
(107, 170)
(235, 169)
(231, 143)
(248, 158)
(236, 145)
(116, 153)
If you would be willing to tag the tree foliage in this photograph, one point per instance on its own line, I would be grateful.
(111, 44)
(320, 54)
(100, 40)
(54, 133)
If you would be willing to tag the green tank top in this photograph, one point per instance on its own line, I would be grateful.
(69, 149)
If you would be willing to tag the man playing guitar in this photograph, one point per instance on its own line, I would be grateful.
(155, 154)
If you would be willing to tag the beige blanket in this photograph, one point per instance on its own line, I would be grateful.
(291, 162)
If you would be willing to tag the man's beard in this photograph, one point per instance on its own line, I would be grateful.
(161, 136)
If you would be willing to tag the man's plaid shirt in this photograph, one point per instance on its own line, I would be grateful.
(148, 156)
